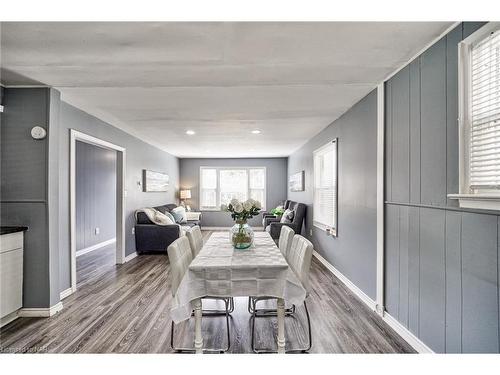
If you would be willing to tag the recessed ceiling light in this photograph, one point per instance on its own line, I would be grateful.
(255, 131)
(190, 132)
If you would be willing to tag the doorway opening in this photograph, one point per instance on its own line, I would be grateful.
(97, 172)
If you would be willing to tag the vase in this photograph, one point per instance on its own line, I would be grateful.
(241, 235)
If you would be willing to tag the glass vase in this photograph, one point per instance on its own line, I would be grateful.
(241, 235)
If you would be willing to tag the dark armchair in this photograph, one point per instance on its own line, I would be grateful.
(274, 227)
(268, 217)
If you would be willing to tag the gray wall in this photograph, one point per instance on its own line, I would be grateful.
(95, 195)
(276, 182)
(139, 156)
(353, 252)
(442, 262)
(29, 171)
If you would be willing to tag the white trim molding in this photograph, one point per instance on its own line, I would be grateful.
(409, 337)
(40, 312)
(120, 196)
(9, 318)
(380, 197)
(65, 293)
(483, 198)
(401, 330)
(348, 283)
(129, 257)
(95, 247)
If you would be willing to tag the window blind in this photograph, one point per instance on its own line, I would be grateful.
(208, 183)
(218, 185)
(484, 168)
(325, 185)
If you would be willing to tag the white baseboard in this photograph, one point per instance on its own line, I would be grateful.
(65, 293)
(95, 247)
(227, 228)
(130, 257)
(358, 292)
(409, 337)
(40, 312)
(9, 318)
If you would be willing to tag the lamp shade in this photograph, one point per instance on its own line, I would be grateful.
(185, 194)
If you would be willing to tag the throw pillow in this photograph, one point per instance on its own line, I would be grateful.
(170, 216)
(179, 214)
(287, 216)
(163, 219)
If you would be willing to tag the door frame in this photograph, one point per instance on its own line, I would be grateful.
(75, 136)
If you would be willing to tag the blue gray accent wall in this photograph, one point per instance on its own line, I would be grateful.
(354, 251)
(95, 195)
(139, 156)
(35, 183)
(276, 183)
(442, 262)
(29, 178)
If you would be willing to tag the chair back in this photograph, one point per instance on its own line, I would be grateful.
(299, 215)
(195, 240)
(286, 204)
(299, 259)
(180, 256)
(285, 240)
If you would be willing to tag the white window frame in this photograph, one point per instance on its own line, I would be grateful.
(218, 169)
(332, 230)
(488, 199)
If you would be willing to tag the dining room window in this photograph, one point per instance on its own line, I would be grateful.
(479, 119)
(218, 185)
(325, 187)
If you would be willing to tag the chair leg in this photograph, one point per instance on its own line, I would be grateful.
(256, 315)
(309, 334)
(227, 302)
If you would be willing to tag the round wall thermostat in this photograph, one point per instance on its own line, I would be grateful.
(38, 132)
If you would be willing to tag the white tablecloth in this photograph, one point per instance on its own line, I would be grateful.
(219, 270)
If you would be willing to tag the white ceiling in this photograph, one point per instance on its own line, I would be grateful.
(222, 80)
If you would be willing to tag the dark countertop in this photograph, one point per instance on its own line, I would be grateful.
(8, 230)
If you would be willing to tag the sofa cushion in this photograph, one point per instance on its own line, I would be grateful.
(162, 209)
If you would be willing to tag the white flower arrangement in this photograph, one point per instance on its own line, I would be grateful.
(242, 211)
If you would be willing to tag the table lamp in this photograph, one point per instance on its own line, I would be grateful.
(185, 195)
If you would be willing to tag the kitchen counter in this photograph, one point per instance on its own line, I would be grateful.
(9, 229)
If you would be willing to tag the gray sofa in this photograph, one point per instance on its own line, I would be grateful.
(150, 237)
(274, 225)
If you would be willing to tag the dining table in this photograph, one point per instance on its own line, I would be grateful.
(220, 270)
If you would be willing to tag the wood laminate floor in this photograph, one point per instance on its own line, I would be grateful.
(125, 309)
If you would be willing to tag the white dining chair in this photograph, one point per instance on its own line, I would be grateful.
(284, 243)
(196, 242)
(299, 259)
(180, 257)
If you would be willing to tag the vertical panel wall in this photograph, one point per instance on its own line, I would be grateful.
(442, 278)
(95, 195)
(29, 170)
